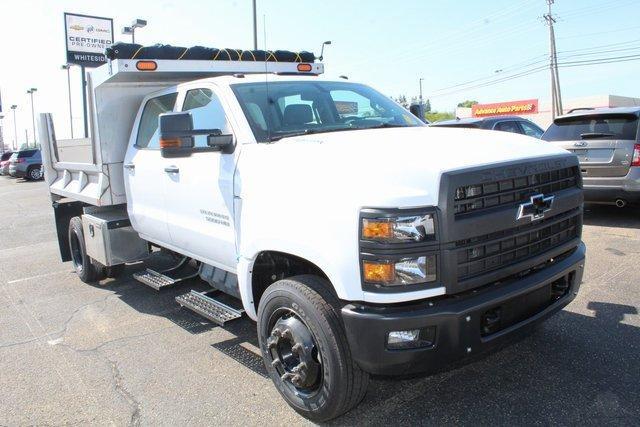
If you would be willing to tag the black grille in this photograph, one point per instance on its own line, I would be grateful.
(473, 198)
(497, 250)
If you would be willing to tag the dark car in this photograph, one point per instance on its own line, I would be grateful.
(513, 124)
(26, 164)
(607, 143)
(4, 162)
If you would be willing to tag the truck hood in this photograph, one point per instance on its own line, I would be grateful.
(388, 167)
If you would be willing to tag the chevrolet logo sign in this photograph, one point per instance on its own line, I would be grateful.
(535, 208)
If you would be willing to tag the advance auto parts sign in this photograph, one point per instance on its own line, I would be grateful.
(86, 39)
(527, 106)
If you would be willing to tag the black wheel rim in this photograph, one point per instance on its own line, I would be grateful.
(76, 253)
(294, 354)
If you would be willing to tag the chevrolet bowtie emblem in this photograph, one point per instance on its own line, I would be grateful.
(535, 207)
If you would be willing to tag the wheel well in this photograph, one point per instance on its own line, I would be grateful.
(271, 266)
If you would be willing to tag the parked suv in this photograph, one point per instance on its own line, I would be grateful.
(26, 164)
(607, 145)
(512, 124)
(4, 162)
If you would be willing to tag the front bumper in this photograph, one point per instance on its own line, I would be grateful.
(611, 188)
(458, 321)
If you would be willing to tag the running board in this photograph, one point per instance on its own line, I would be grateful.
(161, 280)
(209, 308)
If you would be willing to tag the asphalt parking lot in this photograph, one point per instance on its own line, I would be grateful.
(120, 353)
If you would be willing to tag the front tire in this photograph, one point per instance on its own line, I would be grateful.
(86, 269)
(305, 349)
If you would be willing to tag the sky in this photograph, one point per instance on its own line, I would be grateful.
(387, 44)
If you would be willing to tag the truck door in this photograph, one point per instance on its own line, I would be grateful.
(199, 196)
(144, 176)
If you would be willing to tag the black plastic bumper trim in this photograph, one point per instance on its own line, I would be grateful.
(457, 319)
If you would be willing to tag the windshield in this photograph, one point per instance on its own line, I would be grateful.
(603, 126)
(282, 109)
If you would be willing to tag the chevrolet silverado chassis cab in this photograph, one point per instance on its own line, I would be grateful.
(360, 241)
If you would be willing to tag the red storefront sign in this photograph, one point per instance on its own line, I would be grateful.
(527, 106)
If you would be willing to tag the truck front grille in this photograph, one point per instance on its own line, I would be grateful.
(474, 198)
(489, 252)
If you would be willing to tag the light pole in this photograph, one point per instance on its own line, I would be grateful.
(15, 128)
(137, 23)
(68, 68)
(420, 80)
(33, 115)
(255, 27)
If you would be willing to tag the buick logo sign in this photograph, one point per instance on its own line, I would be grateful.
(535, 208)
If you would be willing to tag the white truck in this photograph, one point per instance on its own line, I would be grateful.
(360, 240)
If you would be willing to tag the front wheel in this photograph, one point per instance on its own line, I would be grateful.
(305, 348)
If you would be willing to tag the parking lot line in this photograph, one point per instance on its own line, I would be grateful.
(39, 276)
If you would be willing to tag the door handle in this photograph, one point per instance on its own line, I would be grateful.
(172, 169)
(129, 166)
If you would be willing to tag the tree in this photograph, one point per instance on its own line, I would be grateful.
(438, 116)
(402, 100)
(467, 104)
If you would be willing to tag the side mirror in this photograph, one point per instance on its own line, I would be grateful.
(176, 139)
(177, 136)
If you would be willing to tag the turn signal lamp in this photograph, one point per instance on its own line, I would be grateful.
(375, 272)
(170, 143)
(377, 229)
(146, 65)
(304, 67)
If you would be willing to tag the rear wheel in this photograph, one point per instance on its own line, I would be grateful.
(87, 269)
(305, 348)
(34, 173)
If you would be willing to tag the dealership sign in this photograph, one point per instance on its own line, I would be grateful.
(86, 39)
(527, 106)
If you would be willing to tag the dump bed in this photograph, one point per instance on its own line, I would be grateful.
(90, 169)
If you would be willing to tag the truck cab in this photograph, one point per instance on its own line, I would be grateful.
(360, 240)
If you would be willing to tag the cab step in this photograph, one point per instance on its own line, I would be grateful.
(169, 277)
(208, 307)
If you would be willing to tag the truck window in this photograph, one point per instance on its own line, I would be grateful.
(207, 113)
(282, 109)
(148, 136)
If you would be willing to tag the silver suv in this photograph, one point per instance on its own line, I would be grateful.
(607, 145)
(26, 164)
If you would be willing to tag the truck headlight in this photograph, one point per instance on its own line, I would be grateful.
(399, 272)
(399, 229)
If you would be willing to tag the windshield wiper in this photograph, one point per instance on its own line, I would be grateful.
(325, 130)
(385, 125)
(311, 131)
(589, 135)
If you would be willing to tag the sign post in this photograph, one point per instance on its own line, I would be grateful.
(86, 38)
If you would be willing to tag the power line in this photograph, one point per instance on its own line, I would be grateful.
(566, 64)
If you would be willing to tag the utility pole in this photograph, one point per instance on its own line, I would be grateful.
(556, 96)
(255, 27)
(421, 79)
